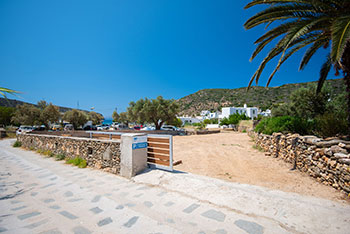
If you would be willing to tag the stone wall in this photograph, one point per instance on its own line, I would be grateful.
(101, 154)
(327, 161)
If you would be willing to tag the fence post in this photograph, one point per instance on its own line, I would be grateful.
(133, 158)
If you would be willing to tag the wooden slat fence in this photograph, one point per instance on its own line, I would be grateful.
(160, 151)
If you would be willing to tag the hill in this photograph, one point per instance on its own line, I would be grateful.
(13, 103)
(264, 98)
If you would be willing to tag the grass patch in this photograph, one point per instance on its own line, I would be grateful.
(11, 134)
(77, 161)
(48, 153)
(258, 147)
(60, 157)
(17, 144)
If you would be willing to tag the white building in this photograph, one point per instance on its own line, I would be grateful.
(189, 120)
(251, 112)
(265, 113)
(205, 113)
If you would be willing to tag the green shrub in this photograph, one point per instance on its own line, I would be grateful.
(330, 124)
(233, 119)
(31, 148)
(48, 153)
(17, 144)
(60, 157)
(82, 164)
(77, 161)
(284, 124)
(258, 147)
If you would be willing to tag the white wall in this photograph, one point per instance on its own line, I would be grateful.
(189, 120)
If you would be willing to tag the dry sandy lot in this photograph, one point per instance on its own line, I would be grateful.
(231, 156)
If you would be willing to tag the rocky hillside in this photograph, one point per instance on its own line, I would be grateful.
(214, 99)
(13, 103)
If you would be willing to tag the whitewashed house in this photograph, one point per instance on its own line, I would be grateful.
(189, 120)
(251, 112)
(265, 113)
(205, 113)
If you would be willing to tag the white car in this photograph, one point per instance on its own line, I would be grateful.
(103, 127)
(23, 129)
(168, 128)
(148, 129)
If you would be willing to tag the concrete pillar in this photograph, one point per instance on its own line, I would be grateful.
(133, 158)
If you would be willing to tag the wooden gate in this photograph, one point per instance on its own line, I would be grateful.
(160, 151)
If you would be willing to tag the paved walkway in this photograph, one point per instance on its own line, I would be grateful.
(40, 195)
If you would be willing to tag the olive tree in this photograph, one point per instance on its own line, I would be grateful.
(75, 117)
(96, 118)
(50, 114)
(157, 111)
(27, 115)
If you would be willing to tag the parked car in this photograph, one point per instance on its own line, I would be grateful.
(39, 128)
(68, 127)
(56, 127)
(89, 127)
(121, 126)
(137, 128)
(103, 127)
(168, 128)
(24, 129)
(148, 128)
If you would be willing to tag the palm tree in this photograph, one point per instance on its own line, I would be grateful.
(313, 24)
(4, 91)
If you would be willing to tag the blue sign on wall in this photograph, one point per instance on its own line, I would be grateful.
(139, 145)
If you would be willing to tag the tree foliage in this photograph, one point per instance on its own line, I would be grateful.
(305, 103)
(96, 118)
(233, 119)
(49, 115)
(6, 114)
(284, 124)
(305, 24)
(320, 113)
(42, 104)
(302, 24)
(27, 115)
(157, 111)
(75, 117)
(115, 116)
(175, 122)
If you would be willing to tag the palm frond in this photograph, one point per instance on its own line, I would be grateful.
(326, 67)
(4, 91)
(270, 14)
(311, 51)
(314, 2)
(290, 53)
(340, 36)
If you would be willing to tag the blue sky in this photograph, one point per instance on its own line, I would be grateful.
(104, 54)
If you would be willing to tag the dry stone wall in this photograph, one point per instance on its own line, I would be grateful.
(101, 154)
(327, 161)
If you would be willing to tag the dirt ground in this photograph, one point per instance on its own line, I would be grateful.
(231, 156)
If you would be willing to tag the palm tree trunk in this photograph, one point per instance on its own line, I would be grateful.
(347, 84)
(346, 70)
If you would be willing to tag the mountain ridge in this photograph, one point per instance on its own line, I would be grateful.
(7, 102)
(258, 96)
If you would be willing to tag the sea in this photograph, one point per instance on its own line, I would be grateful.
(107, 121)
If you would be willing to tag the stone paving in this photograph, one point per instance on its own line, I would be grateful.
(40, 195)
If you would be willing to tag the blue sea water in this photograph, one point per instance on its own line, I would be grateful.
(107, 121)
